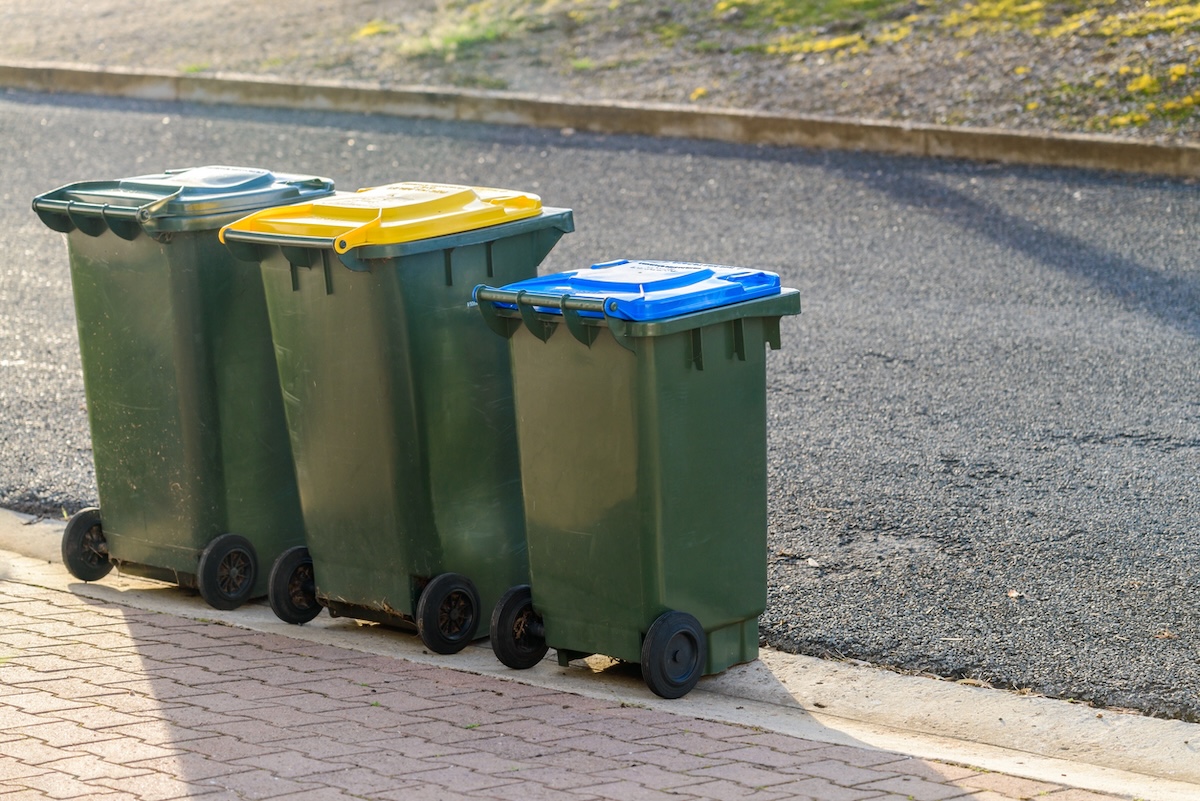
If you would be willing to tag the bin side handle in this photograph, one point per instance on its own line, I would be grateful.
(230, 234)
(771, 332)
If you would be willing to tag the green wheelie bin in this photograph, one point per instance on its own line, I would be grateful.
(399, 399)
(640, 394)
(193, 464)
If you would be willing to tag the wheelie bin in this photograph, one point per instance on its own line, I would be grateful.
(193, 464)
(399, 399)
(640, 394)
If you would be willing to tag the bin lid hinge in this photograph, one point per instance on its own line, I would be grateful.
(504, 326)
(582, 332)
(539, 328)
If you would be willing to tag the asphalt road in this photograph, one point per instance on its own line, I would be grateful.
(984, 428)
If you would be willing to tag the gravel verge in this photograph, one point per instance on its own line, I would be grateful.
(1124, 68)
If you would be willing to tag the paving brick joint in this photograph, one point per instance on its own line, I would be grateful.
(100, 700)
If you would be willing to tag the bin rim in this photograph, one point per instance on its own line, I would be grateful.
(505, 311)
(257, 246)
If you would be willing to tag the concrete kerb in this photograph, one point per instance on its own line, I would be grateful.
(837, 703)
(507, 108)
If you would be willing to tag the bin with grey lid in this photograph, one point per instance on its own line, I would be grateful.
(193, 464)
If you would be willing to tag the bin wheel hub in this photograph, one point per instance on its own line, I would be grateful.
(232, 572)
(302, 588)
(455, 614)
(95, 547)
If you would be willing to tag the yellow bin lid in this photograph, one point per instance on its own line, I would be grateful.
(388, 215)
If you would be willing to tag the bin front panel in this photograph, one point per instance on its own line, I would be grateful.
(399, 406)
(258, 479)
(577, 418)
(188, 434)
(462, 386)
(341, 352)
(704, 437)
(147, 378)
(645, 485)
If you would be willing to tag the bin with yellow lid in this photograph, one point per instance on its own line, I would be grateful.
(399, 399)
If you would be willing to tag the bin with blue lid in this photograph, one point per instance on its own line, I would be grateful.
(399, 399)
(640, 394)
(193, 463)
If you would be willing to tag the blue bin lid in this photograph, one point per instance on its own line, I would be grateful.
(653, 290)
(197, 198)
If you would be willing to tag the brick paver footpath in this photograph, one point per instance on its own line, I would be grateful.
(99, 700)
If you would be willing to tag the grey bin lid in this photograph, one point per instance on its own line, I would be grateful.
(194, 199)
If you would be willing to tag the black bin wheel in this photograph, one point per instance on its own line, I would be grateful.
(518, 639)
(292, 588)
(84, 549)
(673, 654)
(448, 613)
(227, 571)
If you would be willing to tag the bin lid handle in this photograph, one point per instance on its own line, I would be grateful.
(358, 236)
(150, 210)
